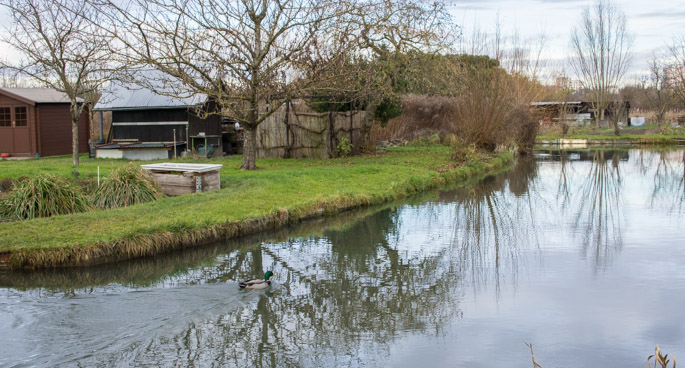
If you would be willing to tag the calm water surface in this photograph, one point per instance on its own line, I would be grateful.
(580, 253)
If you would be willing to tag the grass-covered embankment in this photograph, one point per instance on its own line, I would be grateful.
(283, 191)
(648, 134)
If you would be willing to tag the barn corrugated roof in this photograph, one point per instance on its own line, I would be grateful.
(40, 95)
(130, 96)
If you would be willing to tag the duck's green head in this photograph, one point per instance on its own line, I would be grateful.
(268, 274)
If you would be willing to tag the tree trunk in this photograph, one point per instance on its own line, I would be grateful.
(74, 134)
(616, 118)
(250, 148)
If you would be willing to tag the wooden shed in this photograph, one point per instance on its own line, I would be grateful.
(37, 121)
(146, 123)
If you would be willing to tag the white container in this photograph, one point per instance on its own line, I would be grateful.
(637, 121)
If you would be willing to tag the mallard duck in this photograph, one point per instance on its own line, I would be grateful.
(257, 283)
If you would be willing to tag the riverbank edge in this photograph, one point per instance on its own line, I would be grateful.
(150, 244)
(610, 142)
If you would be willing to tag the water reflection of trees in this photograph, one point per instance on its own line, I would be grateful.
(492, 226)
(204, 264)
(340, 292)
(597, 210)
(594, 194)
(347, 291)
(667, 168)
(351, 290)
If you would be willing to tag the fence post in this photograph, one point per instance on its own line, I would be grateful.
(331, 151)
(351, 125)
(287, 130)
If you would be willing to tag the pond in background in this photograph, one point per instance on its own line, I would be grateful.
(580, 253)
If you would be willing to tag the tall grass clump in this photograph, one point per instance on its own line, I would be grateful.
(661, 360)
(43, 196)
(126, 186)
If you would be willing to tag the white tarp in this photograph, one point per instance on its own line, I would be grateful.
(637, 121)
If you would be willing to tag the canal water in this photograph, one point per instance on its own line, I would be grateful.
(579, 253)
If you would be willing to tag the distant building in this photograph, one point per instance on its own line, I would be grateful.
(673, 74)
(575, 113)
(566, 82)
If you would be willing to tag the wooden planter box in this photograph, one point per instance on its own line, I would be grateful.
(176, 179)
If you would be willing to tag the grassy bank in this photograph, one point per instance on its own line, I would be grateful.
(283, 191)
(648, 134)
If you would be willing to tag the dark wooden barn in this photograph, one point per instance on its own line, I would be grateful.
(37, 121)
(146, 124)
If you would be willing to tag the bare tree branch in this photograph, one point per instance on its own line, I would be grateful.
(601, 47)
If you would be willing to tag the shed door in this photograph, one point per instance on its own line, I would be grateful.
(14, 129)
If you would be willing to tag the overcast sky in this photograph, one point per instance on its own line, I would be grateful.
(652, 22)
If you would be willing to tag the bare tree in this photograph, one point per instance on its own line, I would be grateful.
(601, 53)
(389, 34)
(60, 49)
(675, 73)
(660, 95)
(247, 56)
(251, 56)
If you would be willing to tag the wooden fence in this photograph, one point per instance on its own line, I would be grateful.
(295, 131)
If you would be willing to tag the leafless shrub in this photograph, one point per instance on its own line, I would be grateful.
(526, 127)
(422, 116)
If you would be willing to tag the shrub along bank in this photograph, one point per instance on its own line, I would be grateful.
(282, 192)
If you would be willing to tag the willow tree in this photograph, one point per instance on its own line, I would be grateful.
(60, 48)
(601, 53)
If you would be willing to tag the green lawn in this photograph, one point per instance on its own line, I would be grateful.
(651, 132)
(281, 191)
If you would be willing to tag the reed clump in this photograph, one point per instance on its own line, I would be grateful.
(43, 196)
(126, 186)
(661, 360)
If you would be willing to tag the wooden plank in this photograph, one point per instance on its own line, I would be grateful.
(178, 184)
(211, 182)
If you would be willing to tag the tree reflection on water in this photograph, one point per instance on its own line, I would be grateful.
(597, 207)
(491, 224)
(669, 178)
(348, 290)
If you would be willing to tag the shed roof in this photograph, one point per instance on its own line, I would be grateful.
(130, 96)
(549, 103)
(37, 95)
